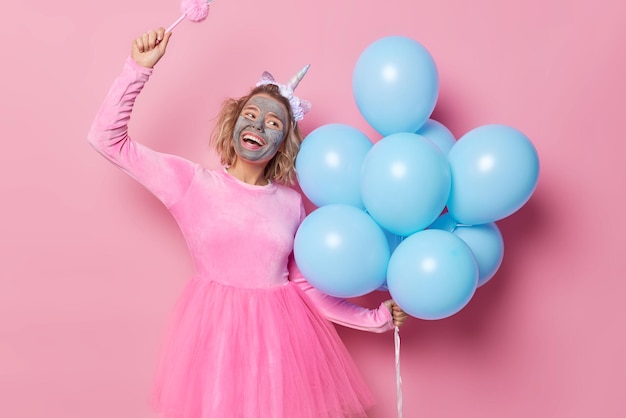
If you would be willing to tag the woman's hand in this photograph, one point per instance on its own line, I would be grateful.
(149, 48)
(399, 316)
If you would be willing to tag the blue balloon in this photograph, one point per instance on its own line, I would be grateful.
(405, 183)
(395, 85)
(444, 222)
(438, 134)
(495, 169)
(342, 251)
(393, 240)
(484, 240)
(329, 162)
(432, 274)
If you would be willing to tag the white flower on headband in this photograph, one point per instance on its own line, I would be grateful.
(298, 106)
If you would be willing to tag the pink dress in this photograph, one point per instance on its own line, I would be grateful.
(249, 337)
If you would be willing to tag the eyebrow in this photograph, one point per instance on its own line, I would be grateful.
(255, 107)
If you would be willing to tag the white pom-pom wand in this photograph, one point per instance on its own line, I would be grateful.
(194, 10)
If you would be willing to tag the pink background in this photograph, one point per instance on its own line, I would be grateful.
(91, 264)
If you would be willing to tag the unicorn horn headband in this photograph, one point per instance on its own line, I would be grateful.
(295, 80)
(298, 106)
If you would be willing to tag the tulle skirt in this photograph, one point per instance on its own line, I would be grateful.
(255, 353)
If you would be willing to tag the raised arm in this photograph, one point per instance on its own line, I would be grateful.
(167, 176)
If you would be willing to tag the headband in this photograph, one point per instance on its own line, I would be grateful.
(298, 106)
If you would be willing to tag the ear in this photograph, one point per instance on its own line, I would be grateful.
(266, 77)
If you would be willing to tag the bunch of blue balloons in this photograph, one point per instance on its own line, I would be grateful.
(415, 212)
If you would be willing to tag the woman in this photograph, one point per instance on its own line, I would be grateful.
(249, 335)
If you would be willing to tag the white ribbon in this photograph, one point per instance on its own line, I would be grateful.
(396, 338)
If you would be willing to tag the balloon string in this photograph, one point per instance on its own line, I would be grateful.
(173, 25)
(396, 338)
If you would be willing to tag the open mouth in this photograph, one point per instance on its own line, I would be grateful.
(253, 141)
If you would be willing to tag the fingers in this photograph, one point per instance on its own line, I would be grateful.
(152, 38)
(138, 44)
(147, 41)
(399, 316)
(149, 47)
(162, 39)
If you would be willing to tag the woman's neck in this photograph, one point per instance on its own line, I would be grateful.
(248, 173)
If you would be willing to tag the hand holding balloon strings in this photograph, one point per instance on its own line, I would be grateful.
(398, 315)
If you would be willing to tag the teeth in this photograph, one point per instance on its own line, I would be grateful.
(252, 139)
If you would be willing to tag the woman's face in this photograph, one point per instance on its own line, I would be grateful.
(260, 129)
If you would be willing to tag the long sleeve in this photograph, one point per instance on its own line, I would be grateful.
(341, 311)
(166, 176)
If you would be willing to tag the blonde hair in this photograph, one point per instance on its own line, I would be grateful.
(282, 167)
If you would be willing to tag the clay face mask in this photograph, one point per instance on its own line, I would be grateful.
(260, 129)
